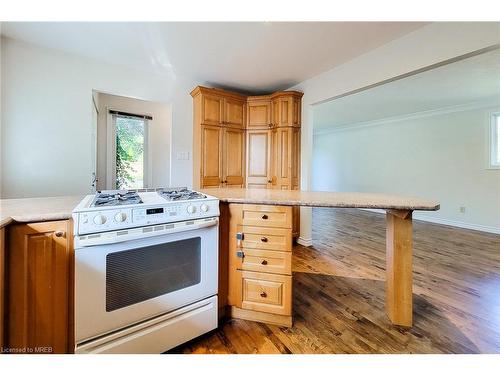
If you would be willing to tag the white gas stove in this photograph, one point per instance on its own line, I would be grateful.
(146, 269)
(120, 209)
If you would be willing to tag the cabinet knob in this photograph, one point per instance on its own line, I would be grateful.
(264, 262)
(269, 181)
(59, 233)
(263, 294)
(265, 217)
(264, 239)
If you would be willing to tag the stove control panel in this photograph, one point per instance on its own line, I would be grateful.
(122, 218)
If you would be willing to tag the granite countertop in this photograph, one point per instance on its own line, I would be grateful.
(321, 199)
(37, 209)
(59, 208)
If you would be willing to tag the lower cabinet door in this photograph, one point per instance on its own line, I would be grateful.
(266, 292)
(40, 288)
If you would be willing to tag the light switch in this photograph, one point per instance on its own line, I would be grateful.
(183, 155)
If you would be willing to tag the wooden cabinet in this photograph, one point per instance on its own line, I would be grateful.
(259, 277)
(218, 138)
(222, 157)
(211, 156)
(249, 141)
(40, 282)
(259, 113)
(234, 113)
(258, 159)
(233, 161)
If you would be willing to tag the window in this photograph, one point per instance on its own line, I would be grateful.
(130, 151)
(495, 141)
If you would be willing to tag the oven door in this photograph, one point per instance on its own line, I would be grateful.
(127, 281)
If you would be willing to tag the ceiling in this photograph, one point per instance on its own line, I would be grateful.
(249, 57)
(473, 80)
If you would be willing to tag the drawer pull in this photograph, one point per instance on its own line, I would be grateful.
(263, 294)
(264, 239)
(59, 233)
(264, 262)
(265, 217)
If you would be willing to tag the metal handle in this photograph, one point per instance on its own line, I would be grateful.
(263, 294)
(264, 262)
(264, 239)
(59, 233)
(265, 217)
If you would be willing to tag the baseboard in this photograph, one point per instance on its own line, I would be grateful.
(305, 241)
(453, 223)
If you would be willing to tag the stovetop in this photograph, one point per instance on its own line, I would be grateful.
(111, 198)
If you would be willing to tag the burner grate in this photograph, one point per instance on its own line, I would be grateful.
(115, 198)
(180, 194)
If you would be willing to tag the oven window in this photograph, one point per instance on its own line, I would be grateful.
(133, 276)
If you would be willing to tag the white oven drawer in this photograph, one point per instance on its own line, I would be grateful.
(159, 334)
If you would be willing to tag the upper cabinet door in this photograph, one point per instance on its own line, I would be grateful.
(259, 114)
(211, 113)
(211, 156)
(234, 157)
(234, 113)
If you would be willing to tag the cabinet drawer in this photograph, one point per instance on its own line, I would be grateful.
(266, 292)
(267, 216)
(278, 262)
(265, 238)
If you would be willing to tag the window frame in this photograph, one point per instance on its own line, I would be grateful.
(494, 134)
(111, 150)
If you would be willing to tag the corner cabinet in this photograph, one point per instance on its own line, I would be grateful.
(40, 307)
(247, 141)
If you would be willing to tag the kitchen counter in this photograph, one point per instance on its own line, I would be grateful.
(321, 199)
(37, 209)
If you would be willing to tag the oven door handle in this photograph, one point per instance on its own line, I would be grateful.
(107, 238)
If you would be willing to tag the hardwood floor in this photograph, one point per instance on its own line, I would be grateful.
(339, 294)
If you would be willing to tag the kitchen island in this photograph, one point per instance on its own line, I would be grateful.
(255, 224)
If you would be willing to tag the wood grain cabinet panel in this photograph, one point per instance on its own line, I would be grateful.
(233, 158)
(266, 238)
(234, 113)
(266, 292)
(259, 114)
(266, 216)
(212, 110)
(258, 168)
(40, 287)
(211, 156)
(269, 261)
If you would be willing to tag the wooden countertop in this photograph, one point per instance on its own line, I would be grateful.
(321, 199)
(37, 209)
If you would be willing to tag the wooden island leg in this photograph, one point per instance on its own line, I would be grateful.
(399, 249)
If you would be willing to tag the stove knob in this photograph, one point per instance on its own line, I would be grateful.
(204, 207)
(100, 219)
(120, 217)
(191, 209)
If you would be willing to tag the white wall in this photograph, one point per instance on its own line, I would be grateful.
(158, 136)
(47, 114)
(441, 157)
(426, 46)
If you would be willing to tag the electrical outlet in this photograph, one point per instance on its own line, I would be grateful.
(462, 210)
